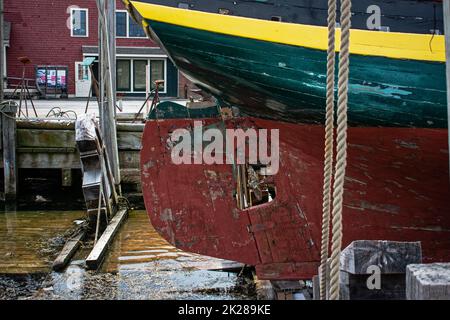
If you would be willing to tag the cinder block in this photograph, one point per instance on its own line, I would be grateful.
(428, 281)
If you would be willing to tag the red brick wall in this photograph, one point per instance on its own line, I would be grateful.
(39, 31)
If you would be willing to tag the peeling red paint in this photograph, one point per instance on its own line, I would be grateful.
(393, 192)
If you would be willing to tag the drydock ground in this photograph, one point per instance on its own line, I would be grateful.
(139, 263)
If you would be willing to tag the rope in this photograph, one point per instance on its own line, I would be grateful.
(329, 142)
(341, 158)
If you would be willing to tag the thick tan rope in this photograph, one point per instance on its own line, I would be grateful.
(329, 143)
(341, 158)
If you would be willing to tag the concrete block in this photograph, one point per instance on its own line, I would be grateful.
(428, 281)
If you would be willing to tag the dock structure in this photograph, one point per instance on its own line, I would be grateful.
(8, 145)
(50, 144)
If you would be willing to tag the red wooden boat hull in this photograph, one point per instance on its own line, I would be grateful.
(397, 188)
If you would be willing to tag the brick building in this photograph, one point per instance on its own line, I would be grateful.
(64, 32)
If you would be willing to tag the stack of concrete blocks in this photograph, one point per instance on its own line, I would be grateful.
(375, 269)
(428, 281)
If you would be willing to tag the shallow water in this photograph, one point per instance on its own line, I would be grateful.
(140, 264)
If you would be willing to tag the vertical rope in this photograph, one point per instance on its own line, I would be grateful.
(329, 143)
(341, 158)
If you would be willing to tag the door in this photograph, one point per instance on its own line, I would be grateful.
(82, 80)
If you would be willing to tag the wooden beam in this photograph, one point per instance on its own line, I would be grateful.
(9, 150)
(447, 46)
(69, 250)
(95, 258)
(45, 138)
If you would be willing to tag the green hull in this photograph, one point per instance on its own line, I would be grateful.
(283, 82)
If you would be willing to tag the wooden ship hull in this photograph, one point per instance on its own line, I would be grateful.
(397, 185)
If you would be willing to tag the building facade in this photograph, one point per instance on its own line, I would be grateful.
(60, 34)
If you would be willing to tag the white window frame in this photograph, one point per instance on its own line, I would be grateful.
(87, 22)
(133, 57)
(127, 27)
(149, 60)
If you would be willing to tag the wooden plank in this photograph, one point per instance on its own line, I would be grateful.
(129, 140)
(70, 248)
(97, 254)
(34, 138)
(46, 150)
(129, 159)
(130, 127)
(129, 117)
(9, 136)
(48, 160)
(58, 160)
(46, 124)
(131, 175)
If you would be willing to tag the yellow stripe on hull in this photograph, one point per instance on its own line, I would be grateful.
(424, 47)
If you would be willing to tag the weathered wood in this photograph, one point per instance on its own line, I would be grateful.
(264, 289)
(45, 138)
(68, 251)
(428, 281)
(48, 160)
(46, 124)
(130, 127)
(66, 177)
(97, 254)
(129, 140)
(390, 256)
(129, 117)
(46, 150)
(366, 261)
(131, 176)
(58, 158)
(129, 159)
(107, 64)
(9, 150)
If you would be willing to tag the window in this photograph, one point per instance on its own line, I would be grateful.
(121, 24)
(126, 27)
(132, 74)
(79, 23)
(139, 69)
(123, 75)
(135, 30)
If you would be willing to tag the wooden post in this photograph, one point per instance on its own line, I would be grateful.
(9, 137)
(107, 48)
(447, 46)
(428, 281)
